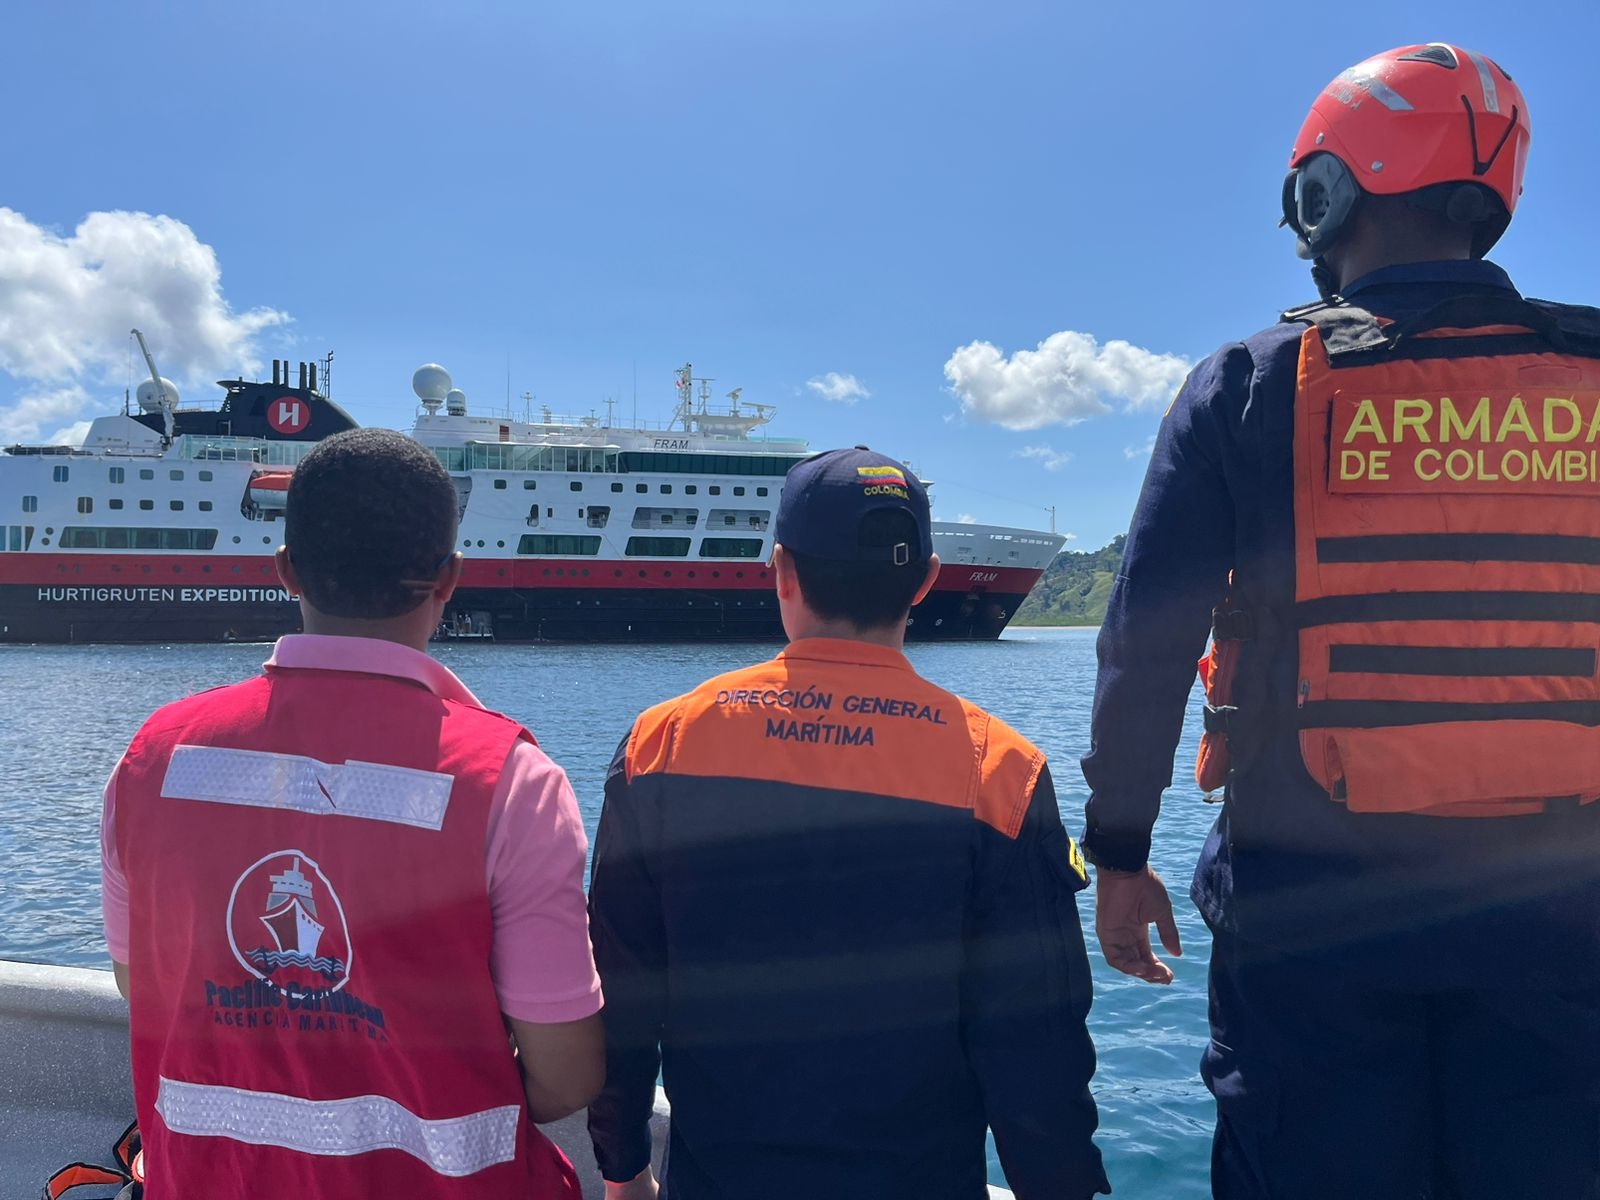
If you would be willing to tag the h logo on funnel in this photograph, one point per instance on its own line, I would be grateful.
(288, 415)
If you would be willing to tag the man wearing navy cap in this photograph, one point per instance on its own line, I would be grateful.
(835, 908)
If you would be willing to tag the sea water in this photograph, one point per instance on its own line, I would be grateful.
(66, 712)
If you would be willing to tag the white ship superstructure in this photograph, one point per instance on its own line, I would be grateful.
(161, 526)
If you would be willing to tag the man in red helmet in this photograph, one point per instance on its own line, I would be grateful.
(1385, 506)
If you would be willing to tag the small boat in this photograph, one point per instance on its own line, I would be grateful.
(270, 489)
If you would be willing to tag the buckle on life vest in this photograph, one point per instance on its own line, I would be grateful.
(1233, 624)
(1218, 717)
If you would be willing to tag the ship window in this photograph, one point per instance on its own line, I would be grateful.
(738, 491)
(206, 477)
(656, 518)
(761, 491)
(175, 505)
(714, 490)
(730, 548)
(205, 506)
(117, 474)
(599, 514)
(146, 473)
(641, 488)
(16, 538)
(499, 485)
(690, 489)
(86, 504)
(30, 504)
(123, 537)
(175, 475)
(753, 518)
(558, 543)
(666, 489)
(114, 503)
(146, 505)
(529, 485)
(59, 474)
(616, 487)
(657, 547)
(576, 485)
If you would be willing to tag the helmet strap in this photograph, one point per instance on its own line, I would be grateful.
(1327, 282)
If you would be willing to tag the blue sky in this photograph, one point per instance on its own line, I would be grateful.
(780, 193)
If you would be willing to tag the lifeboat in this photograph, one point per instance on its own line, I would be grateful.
(270, 490)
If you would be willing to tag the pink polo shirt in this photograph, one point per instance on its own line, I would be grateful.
(534, 854)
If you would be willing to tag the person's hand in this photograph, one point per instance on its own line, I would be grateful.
(641, 1187)
(1126, 904)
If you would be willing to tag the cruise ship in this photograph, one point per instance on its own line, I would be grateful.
(161, 526)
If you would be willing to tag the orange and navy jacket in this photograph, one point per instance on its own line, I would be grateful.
(1362, 631)
(834, 906)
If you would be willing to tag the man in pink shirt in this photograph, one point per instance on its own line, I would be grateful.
(331, 890)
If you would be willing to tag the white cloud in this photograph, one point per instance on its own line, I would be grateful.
(1144, 451)
(966, 519)
(841, 389)
(1069, 378)
(1048, 457)
(1071, 537)
(67, 303)
(27, 419)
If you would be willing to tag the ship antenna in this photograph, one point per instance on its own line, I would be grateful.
(327, 376)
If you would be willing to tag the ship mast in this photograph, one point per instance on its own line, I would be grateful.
(684, 378)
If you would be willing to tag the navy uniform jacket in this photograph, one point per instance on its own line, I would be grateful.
(1284, 865)
(836, 907)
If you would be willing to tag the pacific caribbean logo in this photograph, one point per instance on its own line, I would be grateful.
(286, 926)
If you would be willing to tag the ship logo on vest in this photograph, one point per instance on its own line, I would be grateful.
(287, 928)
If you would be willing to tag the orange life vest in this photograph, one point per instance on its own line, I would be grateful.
(1447, 550)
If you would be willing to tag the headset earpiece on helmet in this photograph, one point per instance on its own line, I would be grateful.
(1319, 197)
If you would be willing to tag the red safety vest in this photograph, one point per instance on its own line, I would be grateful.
(1447, 548)
(312, 1011)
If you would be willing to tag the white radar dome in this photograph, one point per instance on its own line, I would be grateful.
(150, 397)
(431, 382)
(455, 404)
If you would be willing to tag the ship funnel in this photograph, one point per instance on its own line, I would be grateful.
(431, 383)
(455, 403)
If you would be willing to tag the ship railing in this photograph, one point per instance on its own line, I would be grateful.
(250, 450)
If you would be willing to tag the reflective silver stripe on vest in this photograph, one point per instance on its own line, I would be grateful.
(258, 779)
(452, 1146)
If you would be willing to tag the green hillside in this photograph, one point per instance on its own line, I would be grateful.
(1074, 589)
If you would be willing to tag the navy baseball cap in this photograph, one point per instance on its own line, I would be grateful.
(826, 496)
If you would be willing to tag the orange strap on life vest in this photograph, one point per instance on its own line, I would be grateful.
(1230, 626)
(126, 1178)
(1447, 545)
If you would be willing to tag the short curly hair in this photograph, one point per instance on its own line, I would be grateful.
(368, 510)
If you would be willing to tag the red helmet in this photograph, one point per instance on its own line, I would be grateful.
(1420, 121)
